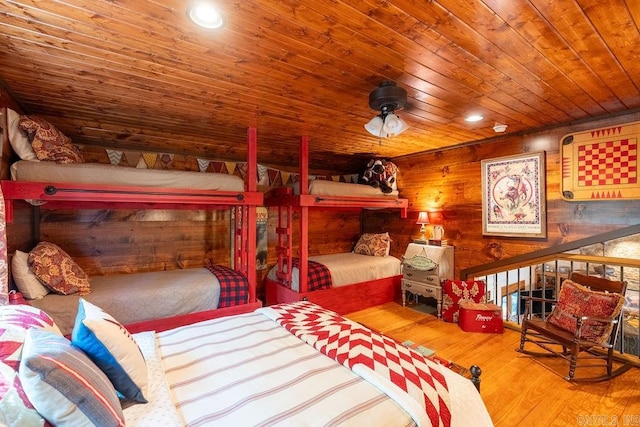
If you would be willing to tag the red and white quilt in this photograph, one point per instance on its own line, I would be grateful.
(415, 382)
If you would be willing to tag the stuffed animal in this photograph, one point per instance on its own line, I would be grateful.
(381, 174)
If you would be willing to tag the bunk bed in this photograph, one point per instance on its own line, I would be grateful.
(280, 284)
(50, 185)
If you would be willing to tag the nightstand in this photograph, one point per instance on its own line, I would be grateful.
(427, 283)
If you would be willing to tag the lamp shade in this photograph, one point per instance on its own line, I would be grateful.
(374, 127)
(423, 218)
(393, 125)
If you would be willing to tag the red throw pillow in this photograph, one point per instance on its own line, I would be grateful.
(57, 270)
(577, 300)
(48, 142)
(455, 291)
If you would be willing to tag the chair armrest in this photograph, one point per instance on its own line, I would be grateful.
(596, 319)
(581, 319)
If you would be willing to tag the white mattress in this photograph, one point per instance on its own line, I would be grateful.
(97, 173)
(321, 187)
(349, 268)
(247, 370)
(138, 297)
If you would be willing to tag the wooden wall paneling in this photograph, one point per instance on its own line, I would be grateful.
(117, 241)
(330, 231)
(20, 232)
(450, 181)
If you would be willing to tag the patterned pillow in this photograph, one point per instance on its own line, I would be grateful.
(15, 408)
(112, 348)
(26, 281)
(48, 142)
(57, 271)
(64, 385)
(373, 244)
(456, 291)
(577, 300)
(15, 321)
(18, 139)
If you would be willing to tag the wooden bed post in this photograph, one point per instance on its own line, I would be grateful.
(252, 212)
(303, 255)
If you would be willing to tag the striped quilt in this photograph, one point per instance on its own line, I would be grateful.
(248, 370)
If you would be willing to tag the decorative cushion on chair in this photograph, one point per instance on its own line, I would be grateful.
(577, 300)
(455, 291)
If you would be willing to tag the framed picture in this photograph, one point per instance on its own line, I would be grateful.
(513, 196)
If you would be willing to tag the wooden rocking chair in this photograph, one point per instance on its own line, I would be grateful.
(584, 322)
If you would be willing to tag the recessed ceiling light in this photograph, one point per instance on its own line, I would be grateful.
(474, 118)
(205, 15)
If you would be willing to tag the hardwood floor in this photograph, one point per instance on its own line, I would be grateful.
(517, 389)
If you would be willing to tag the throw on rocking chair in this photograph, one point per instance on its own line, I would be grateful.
(582, 325)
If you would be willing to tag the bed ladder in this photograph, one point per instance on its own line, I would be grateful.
(284, 247)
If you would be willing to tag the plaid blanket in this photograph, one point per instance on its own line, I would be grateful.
(234, 287)
(379, 359)
(318, 277)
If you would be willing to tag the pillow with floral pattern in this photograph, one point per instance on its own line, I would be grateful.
(57, 270)
(48, 142)
(577, 300)
(373, 244)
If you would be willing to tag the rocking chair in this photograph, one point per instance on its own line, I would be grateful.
(584, 322)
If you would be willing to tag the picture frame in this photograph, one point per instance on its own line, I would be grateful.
(513, 196)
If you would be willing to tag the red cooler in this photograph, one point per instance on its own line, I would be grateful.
(479, 317)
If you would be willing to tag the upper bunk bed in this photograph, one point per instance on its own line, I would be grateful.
(346, 294)
(79, 185)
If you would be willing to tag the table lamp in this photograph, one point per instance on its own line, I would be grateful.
(423, 220)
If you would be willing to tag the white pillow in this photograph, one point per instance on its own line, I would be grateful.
(18, 139)
(112, 348)
(27, 283)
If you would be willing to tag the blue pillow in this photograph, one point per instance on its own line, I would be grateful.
(64, 386)
(112, 348)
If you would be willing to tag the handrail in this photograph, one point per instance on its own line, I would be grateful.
(526, 259)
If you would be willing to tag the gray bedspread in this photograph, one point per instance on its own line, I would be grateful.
(138, 297)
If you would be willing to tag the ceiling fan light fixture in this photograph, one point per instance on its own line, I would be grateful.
(387, 98)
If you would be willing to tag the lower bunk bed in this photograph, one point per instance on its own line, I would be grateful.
(141, 297)
(49, 279)
(344, 282)
(276, 365)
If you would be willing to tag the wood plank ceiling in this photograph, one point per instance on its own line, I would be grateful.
(139, 74)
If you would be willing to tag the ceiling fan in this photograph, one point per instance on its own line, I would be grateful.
(387, 98)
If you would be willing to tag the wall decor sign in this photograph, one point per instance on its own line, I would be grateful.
(601, 164)
(513, 196)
